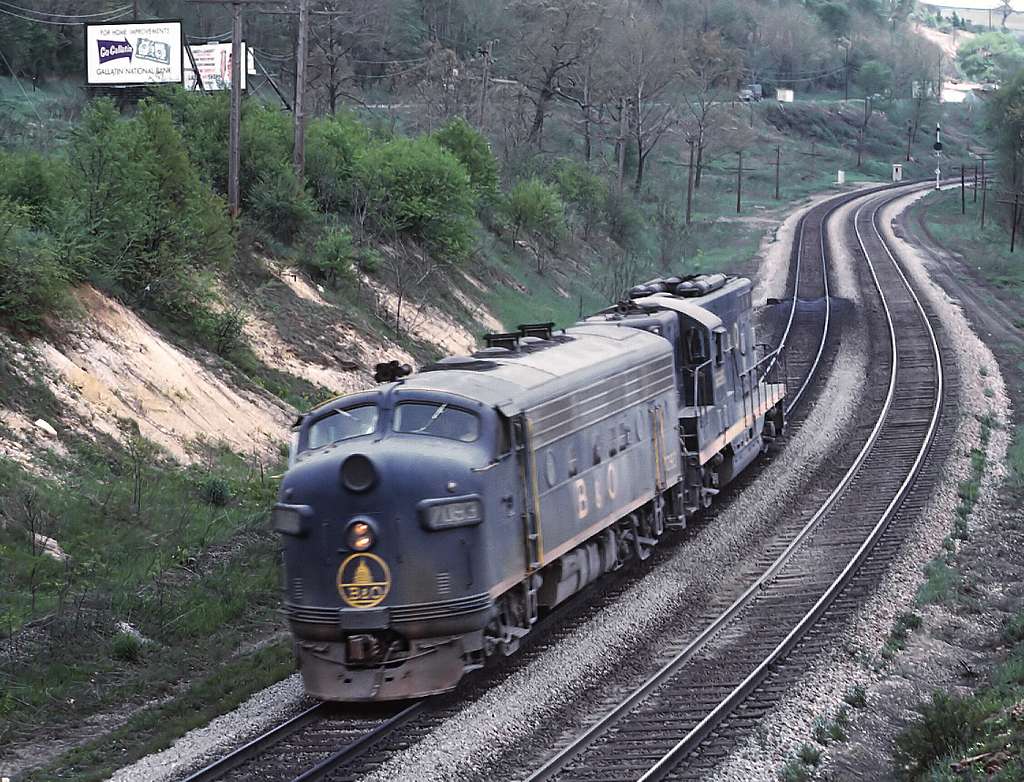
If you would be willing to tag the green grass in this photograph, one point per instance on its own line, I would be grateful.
(156, 727)
(987, 725)
(987, 249)
(147, 545)
(899, 634)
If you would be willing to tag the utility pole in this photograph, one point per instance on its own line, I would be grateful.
(621, 141)
(846, 80)
(235, 121)
(984, 192)
(135, 10)
(299, 152)
(689, 186)
(739, 178)
(486, 52)
(778, 163)
(910, 136)
(1015, 203)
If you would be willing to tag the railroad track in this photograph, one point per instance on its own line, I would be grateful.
(656, 731)
(312, 744)
(807, 329)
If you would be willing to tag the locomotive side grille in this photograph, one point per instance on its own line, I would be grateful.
(296, 590)
(416, 612)
(420, 612)
(560, 417)
(311, 614)
(444, 583)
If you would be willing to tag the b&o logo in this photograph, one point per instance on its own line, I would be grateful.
(364, 580)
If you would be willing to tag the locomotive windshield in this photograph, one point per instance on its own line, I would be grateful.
(437, 420)
(341, 425)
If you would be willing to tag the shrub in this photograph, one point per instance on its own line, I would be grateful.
(586, 191)
(947, 725)
(215, 491)
(279, 204)
(369, 260)
(472, 149)
(220, 331)
(856, 696)
(140, 201)
(809, 755)
(266, 136)
(536, 208)
(126, 647)
(332, 256)
(625, 220)
(32, 181)
(32, 281)
(417, 188)
(332, 146)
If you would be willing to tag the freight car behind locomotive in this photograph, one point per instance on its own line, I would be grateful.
(427, 523)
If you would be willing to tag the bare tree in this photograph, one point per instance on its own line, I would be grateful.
(647, 66)
(709, 75)
(554, 39)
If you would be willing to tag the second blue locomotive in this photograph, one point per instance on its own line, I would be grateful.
(428, 523)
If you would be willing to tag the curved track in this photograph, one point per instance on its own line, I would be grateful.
(654, 732)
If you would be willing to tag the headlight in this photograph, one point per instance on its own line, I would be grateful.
(454, 512)
(287, 519)
(357, 473)
(360, 536)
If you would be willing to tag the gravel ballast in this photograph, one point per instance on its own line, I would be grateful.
(855, 659)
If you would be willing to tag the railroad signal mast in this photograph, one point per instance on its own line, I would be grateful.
(937, 146)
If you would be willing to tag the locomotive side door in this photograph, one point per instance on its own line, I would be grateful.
(519, 429)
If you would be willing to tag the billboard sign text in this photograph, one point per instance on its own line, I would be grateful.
(133, 53)
(213, 60)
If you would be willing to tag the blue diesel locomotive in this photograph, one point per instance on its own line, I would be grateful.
(427, 523)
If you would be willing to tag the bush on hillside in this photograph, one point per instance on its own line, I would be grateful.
(267, 137)
(625, 220)
(585, 191)
(32, 282)
(416, 188)
(332, 256)
(280, 204)
(32, 181)
(472, 149)
(332, 146)
(535, 207)
(991, 56)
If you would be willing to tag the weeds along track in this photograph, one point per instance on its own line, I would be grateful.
(310, 745)
(684, 718)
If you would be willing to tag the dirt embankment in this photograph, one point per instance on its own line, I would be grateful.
(110, 367)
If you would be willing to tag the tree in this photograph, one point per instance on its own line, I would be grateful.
(554, 39)
(875, 77)
(536, 208)
(991, 56)
(646, 66)
(710, 71)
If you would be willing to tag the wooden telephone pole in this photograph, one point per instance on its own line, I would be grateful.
(235, 123)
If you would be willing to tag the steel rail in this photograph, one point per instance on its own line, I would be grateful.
(557, 763)
(257, 746)
(360, 745)
(261, 744)
(689, 742)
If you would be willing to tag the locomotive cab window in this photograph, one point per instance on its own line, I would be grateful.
(696, 347)
(437, 420)
(341, 425)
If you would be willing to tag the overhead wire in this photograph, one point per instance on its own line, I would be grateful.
(64, 16)
(63, 24)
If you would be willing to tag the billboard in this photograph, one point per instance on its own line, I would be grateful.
(214, 63)
(133, 53)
